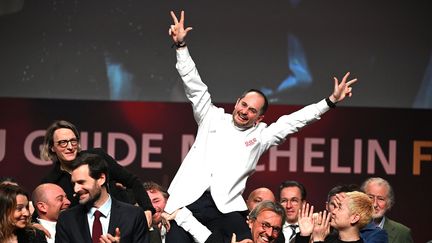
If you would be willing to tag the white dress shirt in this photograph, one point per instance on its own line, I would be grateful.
(288, 232)
(51, 227)
(105, 209)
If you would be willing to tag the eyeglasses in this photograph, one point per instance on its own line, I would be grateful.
(64, 143)
(294, 201)
(275, 229)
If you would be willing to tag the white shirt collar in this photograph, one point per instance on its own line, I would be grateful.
(105, 209)
(50, 226)
(381, 224)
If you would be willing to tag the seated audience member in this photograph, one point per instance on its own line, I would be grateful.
(382, 195)
(158, 231)
(62, 145)
(258, 195)
(98, 217)
(370, 233)
(15, 220)
(351, 212)
(49, 200)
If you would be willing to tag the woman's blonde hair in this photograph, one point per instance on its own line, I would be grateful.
(359, 203)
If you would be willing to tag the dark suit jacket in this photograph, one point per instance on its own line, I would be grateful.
(397, 232)
(72, 225)
(176, 234)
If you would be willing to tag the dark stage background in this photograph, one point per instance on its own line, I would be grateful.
(150, 139)
(291, 49)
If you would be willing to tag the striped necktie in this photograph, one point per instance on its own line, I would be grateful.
(293, 228)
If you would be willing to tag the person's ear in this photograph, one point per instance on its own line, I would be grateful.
(355, 218)
(41, 207)
(250, 222)
(260, 118)
(102, 179)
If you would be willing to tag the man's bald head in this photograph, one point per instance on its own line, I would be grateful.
(49, 200)
(258, 195)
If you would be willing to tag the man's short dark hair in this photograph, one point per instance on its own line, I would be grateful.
(297, 184)
(265, 106)
(97, 165)
(153, 186)
(342, 188)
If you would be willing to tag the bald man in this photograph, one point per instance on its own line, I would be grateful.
(258, 195)
(49, 200)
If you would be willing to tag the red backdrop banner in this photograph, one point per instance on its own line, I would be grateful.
(150, 139)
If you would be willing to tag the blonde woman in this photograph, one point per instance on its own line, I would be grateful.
(352, 211)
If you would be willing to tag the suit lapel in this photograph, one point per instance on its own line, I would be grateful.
(114, 217)
(389, 227)
(84, 225)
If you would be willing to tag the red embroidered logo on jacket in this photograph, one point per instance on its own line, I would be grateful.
(250, 142)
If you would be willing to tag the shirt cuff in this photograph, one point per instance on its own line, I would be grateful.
(188, 222)
(322, 106)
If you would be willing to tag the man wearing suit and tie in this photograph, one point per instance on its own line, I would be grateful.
(381, 192)
(98, 217)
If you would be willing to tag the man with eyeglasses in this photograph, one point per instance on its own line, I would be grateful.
(61, 145)
(382, 195)
(266, 219)
(292, 197)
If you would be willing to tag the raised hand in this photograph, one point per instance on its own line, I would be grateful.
(108, 238)
(342, 89)
(234, 240)
(306, 221)
(166, 218)
(148, 215)
(339, 197)
(322, 226)
(177, 30)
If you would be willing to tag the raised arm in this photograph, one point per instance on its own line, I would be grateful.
(195, 89)
(177, 30)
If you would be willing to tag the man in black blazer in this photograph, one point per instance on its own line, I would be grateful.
(119, 221)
